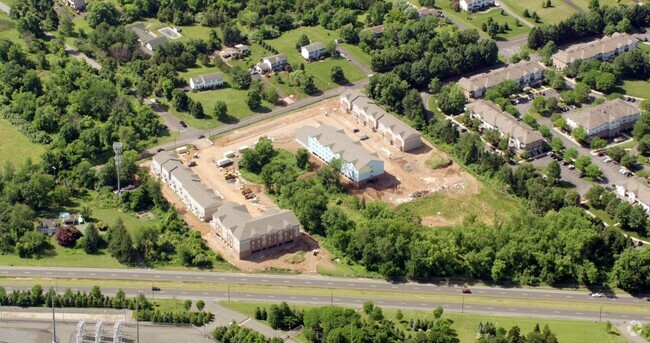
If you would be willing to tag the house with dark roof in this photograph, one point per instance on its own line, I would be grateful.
(367, 112)
(603, 49)
(198, 198)
(48, 226)
(146, 39)
(377, 31)
(246, 235)
(521, 136)
(313, 51)
(206, 81)
(77, 4)
(605, 120)
(327, 143)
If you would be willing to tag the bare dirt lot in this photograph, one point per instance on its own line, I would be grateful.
(407, 177)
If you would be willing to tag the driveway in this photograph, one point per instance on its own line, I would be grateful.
(356, 63)
(266, 82)
(517, 16)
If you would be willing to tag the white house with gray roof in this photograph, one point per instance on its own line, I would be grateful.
(327, 143)
(312, 51)
(206, 81)
(474, 5)
(275, 63)
(367, 112)
(146, 39)
(246, 235)
(199, 199)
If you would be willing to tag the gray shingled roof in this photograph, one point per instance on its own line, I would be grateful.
(497, 76)
(243, 226)
(208, 78)
(590, 49)
(505, 122)
(596, 116)
(314, 47)
(146, 37)
(277, 58)
(349, 150)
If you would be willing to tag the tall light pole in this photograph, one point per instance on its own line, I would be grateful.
(137, 319)
(117, 148)
(53, 321)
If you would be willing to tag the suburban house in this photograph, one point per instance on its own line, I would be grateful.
(605, 120)
(327, 143)
(313, 51)
(521, 137)
(275, 62)
(523, 73)
(146, 39)
(206, 81)
(424, 12)
(474, 5)
(48, 226)
(635, 191)
(198, 198)
(394, 130)
(246, 235)
(228, 52)
(242, 49)
(77, 4)
(603, 49)
(70, 219)
(377, 31)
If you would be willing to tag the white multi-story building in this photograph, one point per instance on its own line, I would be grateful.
(313, 51)
(603, 49)
(605, 120)
(199, 199)
(246, 235)
(522, 73)
(395, 131)
(636, 192)
(327, 143)
(275, 62)
(206, 81)
(474, 5)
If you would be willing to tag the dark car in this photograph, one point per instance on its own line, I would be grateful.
(201, 136)
(183, 123)
(155, 288)
(467, 291)
(355, 130)
(363, 137)
(161, 149)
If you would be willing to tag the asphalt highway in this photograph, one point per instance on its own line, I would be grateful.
(385, 303)
(313, 282)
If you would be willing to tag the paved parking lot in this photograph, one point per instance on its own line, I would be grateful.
(571, 177)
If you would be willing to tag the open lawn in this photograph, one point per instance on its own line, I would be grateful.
(636, 88)
(487, 205)
(7, 29)
(234, 99)
(15, 147)
(467, 324)
(644, 46)
(320, 70)
(551, 15)
(64, 257)
(476, 20)
(584, 4)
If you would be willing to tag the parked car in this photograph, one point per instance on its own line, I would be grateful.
(192, 164)
(607, 160)
(571, 166)
(607, 188)
(597, 295)
(355, 130)
(161, 149)
(467, 291)
(201, 136)
(183, 123)
(600, 153)
(155, 288)
(363, 137)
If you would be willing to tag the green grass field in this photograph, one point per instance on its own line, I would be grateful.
(636, 88)
(466, 324)
(234, 99)
(319, 70)
(15, 147)
(552, 15)
(7, 29)
(487, 205)
(476, 20)
(584, 4)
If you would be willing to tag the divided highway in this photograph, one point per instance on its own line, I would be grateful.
(386, 303)
(303, 281)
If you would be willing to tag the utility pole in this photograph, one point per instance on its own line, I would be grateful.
(53, 322)
(137, 318)
(462, 305)
(600, 313)
(117, 148)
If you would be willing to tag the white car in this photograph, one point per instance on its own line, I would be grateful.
(607, 160)
(597, 295)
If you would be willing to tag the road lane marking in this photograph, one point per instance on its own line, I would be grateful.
(156, 276)
(27, 272)
(329, 283)
(178, 277)
(265, 280)
(308, 282)
(183, 292)
(248, 295)
(569, 296)
(547, 295)
(91, 274)
(502, 292)
(47, 273)
(221, 278)
(314, 298)
(206, 293)
(286, 281)
(292, 297)
(135, 275)
(524, 293)
(200, 277)
(271, 296)
(113, 274)
(70, 273)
